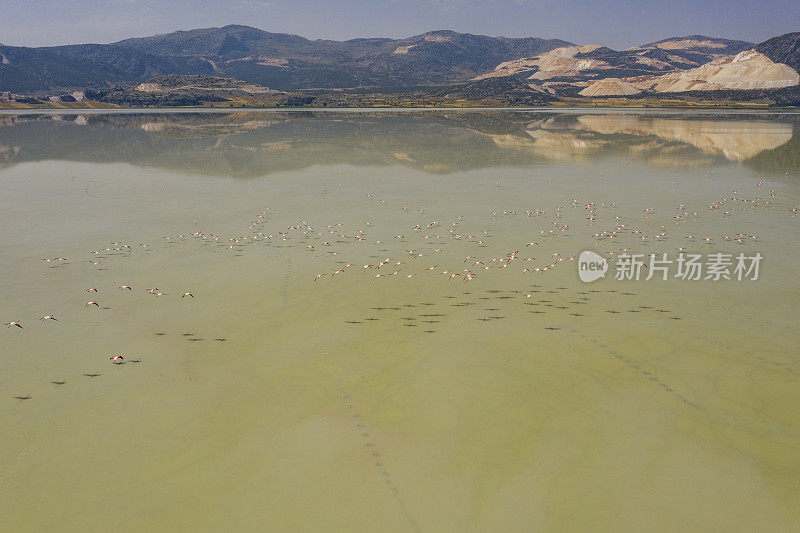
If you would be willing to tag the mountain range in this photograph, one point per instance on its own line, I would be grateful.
(276, 60)
(441, 62)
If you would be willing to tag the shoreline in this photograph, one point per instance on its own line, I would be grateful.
(689, 110)
(413, 104)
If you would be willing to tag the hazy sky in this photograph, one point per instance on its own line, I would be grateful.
(615, 23)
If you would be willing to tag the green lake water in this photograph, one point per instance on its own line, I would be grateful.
(396, 397)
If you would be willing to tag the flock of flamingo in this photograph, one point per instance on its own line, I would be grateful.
(429, 255)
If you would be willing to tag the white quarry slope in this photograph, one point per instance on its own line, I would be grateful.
(705, 64)
(563, 63)
(682, 44)
(746, 70)
(558, 62)
(609, 87)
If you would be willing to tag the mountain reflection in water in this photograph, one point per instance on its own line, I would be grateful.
(253, 143)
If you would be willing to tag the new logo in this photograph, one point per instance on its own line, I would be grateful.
(591, 266)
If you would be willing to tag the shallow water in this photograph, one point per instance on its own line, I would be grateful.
(509, 401)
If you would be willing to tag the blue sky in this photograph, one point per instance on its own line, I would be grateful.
(615, 23)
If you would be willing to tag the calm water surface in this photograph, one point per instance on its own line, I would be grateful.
(396, 397)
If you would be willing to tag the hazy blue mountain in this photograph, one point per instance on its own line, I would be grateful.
(276, 60)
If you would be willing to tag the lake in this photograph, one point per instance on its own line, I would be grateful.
(388, 327)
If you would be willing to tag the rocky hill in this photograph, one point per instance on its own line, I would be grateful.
(506, 91)
(783, 49)
(185, 90)
(34, 69)
(275, 60)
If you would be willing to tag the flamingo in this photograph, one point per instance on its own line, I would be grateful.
(10, 324)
